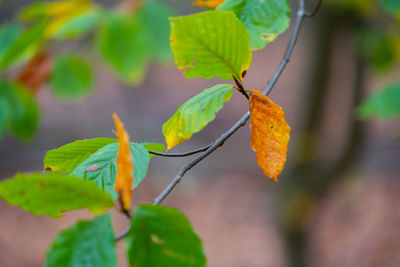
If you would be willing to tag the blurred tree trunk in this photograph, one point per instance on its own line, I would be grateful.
(309, 178)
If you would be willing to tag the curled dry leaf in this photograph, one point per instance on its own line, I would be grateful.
(36, 71)
(208, 3)
(124, 180)
(269, 134)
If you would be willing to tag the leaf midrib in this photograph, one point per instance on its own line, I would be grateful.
(215, 54)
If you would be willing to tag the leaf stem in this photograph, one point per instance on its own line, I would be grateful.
(240, 87)
(240, 123)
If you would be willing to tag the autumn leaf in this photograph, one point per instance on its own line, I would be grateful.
(36, 71)
(269, 134)
(208, 3)
(60, 13)
(124, 179)
(63, 11)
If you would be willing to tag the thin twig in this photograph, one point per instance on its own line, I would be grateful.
(178, 155)
(315, 11)
(122, 234)
(240, 123)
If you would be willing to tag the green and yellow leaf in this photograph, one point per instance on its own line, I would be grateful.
(195, 114)
(210, 44)
(59, 13)
(66, 158)
(53, 193)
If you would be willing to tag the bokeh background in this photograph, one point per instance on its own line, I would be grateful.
(337, 200)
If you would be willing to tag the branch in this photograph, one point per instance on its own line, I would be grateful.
(177, 155)
(220, 141)
(315, 11)
(122, 234)
(240, 123)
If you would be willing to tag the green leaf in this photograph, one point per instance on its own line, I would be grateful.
(79, 25)
(68, 157)
(36, 10)
(23, 109)
(195, 114)
(87, 243)
(392, 7)
(264, 20)
(71, 77)
(379, 47)
(122, 42)
(209, 44)
(153, 147)
(9, 34)
(384, 104)
(26, 43)
(100, 167)
(154, 16)
(53, 193)
(162, 236)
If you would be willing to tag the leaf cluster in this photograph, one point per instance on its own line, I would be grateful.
(126, 39)
(91, 174)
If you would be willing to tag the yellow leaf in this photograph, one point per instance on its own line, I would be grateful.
(208, 3)
(63, 11)
(124, 180)
(62, 8)
(269, 134)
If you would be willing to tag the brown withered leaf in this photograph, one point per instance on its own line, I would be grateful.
(124, 179)
(208, 3)
(269, 134)
(36, 71)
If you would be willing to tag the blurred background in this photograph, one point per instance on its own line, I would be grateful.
(336, 202)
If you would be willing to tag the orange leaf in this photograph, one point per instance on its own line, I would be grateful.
(208, 3)
(36, 71)
(269, 134)
(124, 180)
